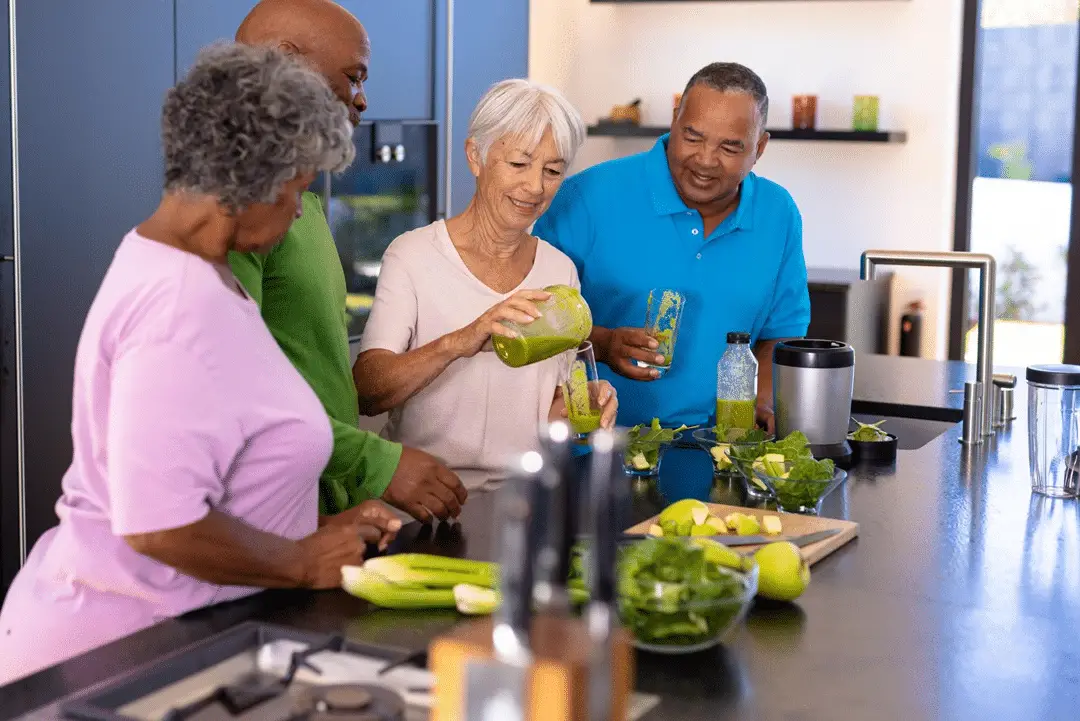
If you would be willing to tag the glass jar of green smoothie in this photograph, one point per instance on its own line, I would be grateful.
(736, 385)
(565, 322)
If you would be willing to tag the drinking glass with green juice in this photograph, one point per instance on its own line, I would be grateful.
(581, 391)
(663, 312)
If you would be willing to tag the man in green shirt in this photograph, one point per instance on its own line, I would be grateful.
(300, 287)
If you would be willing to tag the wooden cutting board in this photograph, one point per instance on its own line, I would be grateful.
(794, 524)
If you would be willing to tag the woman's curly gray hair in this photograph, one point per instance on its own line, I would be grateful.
(246, 120)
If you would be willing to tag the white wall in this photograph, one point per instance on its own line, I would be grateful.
(852, 196)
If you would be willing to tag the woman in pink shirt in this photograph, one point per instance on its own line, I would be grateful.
(197, 445)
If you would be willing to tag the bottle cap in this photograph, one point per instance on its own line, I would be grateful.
(738, 337)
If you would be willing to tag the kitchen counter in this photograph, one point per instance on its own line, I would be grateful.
(959, 600)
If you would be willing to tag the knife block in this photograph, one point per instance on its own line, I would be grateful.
(557, 682)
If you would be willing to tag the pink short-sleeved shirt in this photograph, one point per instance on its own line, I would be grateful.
(182, 403)
(479, 413)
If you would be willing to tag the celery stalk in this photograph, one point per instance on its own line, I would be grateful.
(362, 582)
(476, 600)
(434, 571)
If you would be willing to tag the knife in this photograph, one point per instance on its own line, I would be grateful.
(606, 491)
(732, 540)
(497, 688)
(559, 526)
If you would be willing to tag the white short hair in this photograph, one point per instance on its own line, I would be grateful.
(523, 109)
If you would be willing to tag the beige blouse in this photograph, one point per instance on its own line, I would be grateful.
(480, 413)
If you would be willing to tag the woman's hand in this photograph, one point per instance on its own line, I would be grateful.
(609, 404)
(606, 399)
(369, 513)
(519, 308)
(323, 553)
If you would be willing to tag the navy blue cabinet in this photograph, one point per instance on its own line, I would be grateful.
(402, 66)
(400, 83)
(201, 22)
(91, 80)
(491, 43)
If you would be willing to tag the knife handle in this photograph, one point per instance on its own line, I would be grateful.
(607, 452)
(516, 551)
(561, 526)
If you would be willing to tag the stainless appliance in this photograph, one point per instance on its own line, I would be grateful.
(265, 672)
(813, 381)
(390, 189)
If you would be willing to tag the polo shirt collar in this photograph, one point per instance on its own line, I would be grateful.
(666, 199)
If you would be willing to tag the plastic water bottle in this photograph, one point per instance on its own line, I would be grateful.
(736, 385)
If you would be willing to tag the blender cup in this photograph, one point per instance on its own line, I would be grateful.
(1054, 429)
(565, 322)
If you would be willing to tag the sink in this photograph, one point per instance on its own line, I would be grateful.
(911, 433)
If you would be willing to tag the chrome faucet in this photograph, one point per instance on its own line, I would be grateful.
(987, 267)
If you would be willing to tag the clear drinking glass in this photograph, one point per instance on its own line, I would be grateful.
(662, 315)
(581, 391)
(1054, 430)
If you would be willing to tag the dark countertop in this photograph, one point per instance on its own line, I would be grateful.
(959, 600)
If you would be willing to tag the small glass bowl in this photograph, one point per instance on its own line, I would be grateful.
(706, 438)
(649, 468)
(680, 618)
(796, 496)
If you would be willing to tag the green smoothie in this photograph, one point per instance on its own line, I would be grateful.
(584, 424)
(523, 350)
(735, 414)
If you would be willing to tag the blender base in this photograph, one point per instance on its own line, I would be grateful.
(840, 453)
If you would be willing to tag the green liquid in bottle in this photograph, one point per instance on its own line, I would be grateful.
(735, 414)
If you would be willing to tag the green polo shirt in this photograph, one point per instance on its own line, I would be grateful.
(300, 288)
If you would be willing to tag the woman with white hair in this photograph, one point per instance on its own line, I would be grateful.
(197, 445)
(445, 289)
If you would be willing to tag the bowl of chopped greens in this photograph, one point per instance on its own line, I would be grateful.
(646, 445)
(680, 595)
(870, 443)
(798, 485)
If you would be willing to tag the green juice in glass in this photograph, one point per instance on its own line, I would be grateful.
(583, 414)
(735, 414)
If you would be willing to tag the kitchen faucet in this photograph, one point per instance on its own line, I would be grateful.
(956, 260)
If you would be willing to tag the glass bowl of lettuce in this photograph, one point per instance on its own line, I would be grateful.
(798, 485)
(645, 446)
(676, 597)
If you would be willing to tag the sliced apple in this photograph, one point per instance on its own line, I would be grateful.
(655, 530)
(717, 524)
(771, 525)
(699, 515)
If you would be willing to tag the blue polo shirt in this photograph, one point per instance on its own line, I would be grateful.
(628, 231)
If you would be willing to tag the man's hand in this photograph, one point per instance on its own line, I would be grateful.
(765, 418)
(622, 347)
(373, 514)
(425, 488)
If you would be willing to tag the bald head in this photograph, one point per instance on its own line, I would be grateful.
(324, 33)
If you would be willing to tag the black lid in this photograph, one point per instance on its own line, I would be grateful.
(806, 353)
(738, 337)
(1054, 374)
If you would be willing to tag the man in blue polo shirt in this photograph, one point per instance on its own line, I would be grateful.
(687, 215)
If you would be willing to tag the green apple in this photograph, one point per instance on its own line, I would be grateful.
(682, 512)
(719, 554)
(783, 573)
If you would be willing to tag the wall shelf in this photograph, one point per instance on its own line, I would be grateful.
(629, 130)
